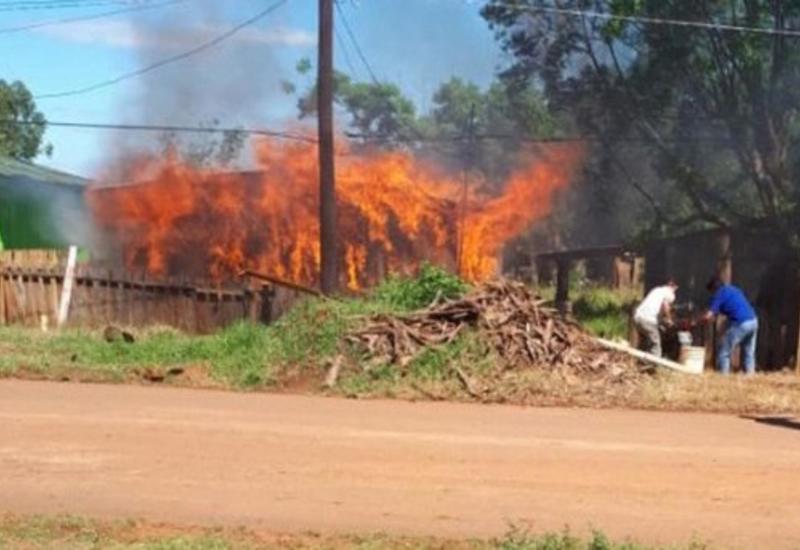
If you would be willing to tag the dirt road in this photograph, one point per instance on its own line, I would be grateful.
(285, 463)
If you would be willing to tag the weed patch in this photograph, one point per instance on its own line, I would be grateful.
(604, 312)
(408, 293)
(74, 533)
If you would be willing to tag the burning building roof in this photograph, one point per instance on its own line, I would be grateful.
(394, 212)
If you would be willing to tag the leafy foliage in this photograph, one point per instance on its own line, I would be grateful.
(416, 292)
(699, 126)
(376, 110)
(21, 141)
(501, 117)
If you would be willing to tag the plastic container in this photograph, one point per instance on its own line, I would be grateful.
(693, 358)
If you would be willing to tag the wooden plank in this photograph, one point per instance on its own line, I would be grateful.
(54, 293)
(13, 307)
(647, 357)
(41, 302)
(26, 309)
(3, 317)
(584, 253)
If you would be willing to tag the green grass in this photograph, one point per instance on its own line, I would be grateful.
(74, 533)
(243, 355)
(294, 354)
(603, 311)
(408, 293)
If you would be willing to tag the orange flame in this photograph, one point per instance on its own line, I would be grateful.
(394, 212)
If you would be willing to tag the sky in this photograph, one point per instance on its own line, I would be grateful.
(416, 44)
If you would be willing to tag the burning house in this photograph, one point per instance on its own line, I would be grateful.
(170, 243)
(394, 213)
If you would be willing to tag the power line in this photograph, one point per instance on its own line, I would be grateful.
(655, 20)
(363, 138)
(52, 5)
(345, 53)
(409, 126)
(520, 139)
(24, 4)
(164, 128)
(64, 21)
(169, 60)
(353, 39)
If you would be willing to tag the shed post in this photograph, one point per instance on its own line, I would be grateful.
(562, 284)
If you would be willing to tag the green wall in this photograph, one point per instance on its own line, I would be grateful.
(33, 212)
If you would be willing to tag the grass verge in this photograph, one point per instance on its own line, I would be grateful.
(74, 533)
(295, 353)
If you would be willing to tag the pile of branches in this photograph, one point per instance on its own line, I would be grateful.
(509, 319)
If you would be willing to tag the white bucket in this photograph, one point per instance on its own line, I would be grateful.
(693, 358)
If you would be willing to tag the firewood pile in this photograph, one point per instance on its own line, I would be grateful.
(512, 322)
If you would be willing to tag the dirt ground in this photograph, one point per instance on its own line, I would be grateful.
(291, 463)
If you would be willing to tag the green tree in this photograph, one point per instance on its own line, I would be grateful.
(376, 111)
(22, 138)
(699, 122)
(483, 131)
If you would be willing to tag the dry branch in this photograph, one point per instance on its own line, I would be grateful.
(509, 319)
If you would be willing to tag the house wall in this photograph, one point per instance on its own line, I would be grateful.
(36, 214)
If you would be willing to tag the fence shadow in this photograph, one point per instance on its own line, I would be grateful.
(776, 421)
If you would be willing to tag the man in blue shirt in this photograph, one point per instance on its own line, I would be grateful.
(731, 302)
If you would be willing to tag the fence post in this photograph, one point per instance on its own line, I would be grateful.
(69, 279)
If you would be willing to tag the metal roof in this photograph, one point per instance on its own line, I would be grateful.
(12, 168)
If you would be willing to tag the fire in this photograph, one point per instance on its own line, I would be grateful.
(394, 212)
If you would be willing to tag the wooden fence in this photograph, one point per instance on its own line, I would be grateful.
(31, 285)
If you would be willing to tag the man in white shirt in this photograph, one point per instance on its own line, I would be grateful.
(655, 309)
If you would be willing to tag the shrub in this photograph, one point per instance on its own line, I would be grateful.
(415, 292)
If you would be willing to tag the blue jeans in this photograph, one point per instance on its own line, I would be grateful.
(743, 334)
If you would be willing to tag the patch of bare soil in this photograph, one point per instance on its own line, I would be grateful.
(295, 463)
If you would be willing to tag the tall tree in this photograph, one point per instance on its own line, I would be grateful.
(699, 121)
(21, 138)
(502, 119)
(376, 111)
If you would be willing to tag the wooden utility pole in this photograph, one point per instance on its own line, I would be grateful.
(329, 276)
(467, 158)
